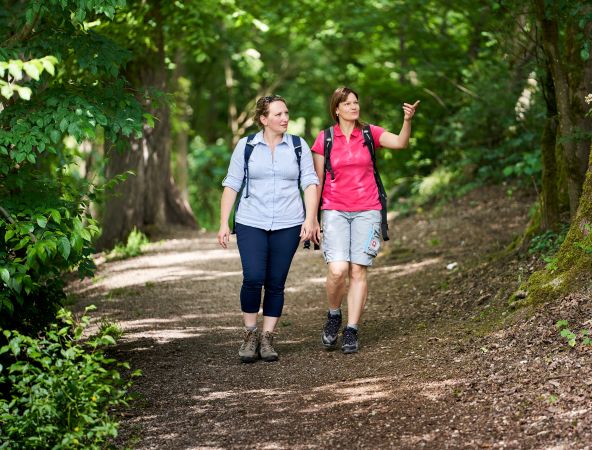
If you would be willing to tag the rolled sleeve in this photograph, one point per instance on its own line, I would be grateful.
(236, 169)
(308, 174)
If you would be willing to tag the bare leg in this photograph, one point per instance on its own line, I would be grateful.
(358, 293)
(269, 323)
(250, 319)
(336, 280)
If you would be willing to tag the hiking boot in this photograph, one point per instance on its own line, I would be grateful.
(249, 349)
(330, 331)
(267, 352)
(349, 340)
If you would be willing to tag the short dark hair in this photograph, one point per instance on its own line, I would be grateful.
(262, 107)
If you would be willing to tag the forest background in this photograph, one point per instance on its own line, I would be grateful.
(119, 115)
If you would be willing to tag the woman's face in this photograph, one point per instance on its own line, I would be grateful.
(278, 117)
(349, 109)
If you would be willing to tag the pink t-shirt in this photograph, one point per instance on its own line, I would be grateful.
(354, 187)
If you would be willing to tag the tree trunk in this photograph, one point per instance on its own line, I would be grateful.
(550, 179)
(551, 46)
(150, 200)
(181, 126)
(574, 258)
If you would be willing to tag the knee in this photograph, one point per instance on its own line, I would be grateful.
(253, 278)
(358, 273)
(336, 273)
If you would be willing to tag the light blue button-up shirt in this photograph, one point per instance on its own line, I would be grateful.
(274, 200)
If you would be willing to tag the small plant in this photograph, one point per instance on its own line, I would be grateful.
(572, 338)
(108, 328)
(136, 242)
(586, 244)
(60, 391)
(548, 243)
(552, 263)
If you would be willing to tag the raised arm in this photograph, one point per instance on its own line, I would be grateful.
(394, 141)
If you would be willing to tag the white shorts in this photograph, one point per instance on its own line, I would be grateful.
(352, 236)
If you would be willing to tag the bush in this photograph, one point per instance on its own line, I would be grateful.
(60, 389)
(136, 242)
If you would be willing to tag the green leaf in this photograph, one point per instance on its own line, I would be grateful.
(41, 221)
(64, 247)
(24, 92)
(31, 69)
(585, 54)
(48, 65)
(561, 324)
(8, 235)
(4, 274)
(15, 68)
(6, 90)
(55, 136)
(149, 119)
(55, 215)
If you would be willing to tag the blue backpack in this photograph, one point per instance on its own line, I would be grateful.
(248, 150)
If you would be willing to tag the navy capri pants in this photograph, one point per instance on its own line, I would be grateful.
(266, 257)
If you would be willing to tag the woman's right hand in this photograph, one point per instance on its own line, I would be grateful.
(224, 235)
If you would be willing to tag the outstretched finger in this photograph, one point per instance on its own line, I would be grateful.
(416, 103)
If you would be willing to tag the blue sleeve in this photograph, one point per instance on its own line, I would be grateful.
(308, 175)
(236, 169)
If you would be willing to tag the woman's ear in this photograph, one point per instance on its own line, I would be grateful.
(263, 120)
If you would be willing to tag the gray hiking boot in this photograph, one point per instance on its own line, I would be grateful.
(330, 331)
(266, 350)
(249, 349)
(349, 340)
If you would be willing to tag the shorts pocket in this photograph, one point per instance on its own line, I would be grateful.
(373, 243)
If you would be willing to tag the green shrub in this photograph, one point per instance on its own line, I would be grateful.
(136, 242)
(61, 389)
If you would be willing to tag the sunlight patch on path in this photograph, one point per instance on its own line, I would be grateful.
(139, 277)
(400, 270)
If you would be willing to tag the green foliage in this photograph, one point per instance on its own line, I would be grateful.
(586, 243)
(207, 168)
(547, 243)
(134, 246)
(62, 388)
(70, 91)
(572, 338)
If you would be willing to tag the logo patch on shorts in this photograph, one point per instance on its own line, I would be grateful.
(374, 244)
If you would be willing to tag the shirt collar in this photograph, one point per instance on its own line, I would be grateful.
(258, 139)
(338, 131)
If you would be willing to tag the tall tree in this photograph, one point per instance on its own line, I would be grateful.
(148, 200)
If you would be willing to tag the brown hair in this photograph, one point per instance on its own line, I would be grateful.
(339, 96)
(262, 107)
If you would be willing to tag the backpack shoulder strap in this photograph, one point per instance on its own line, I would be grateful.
(369, 142)
(328, 140)
(248, 151)
(297, 148)
(249, 146)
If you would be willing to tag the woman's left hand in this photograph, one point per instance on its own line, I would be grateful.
(308, 230)
(409, 110)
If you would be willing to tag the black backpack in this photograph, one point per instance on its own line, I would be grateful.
(368, 142)
(248, 150)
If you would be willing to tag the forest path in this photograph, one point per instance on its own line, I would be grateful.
(414, 384)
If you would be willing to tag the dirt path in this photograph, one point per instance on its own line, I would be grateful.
(424, 378)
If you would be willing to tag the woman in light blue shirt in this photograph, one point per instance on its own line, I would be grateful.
(266, 170)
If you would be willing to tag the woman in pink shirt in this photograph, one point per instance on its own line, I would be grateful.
(351, 210)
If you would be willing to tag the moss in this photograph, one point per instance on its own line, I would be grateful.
(573, 263)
